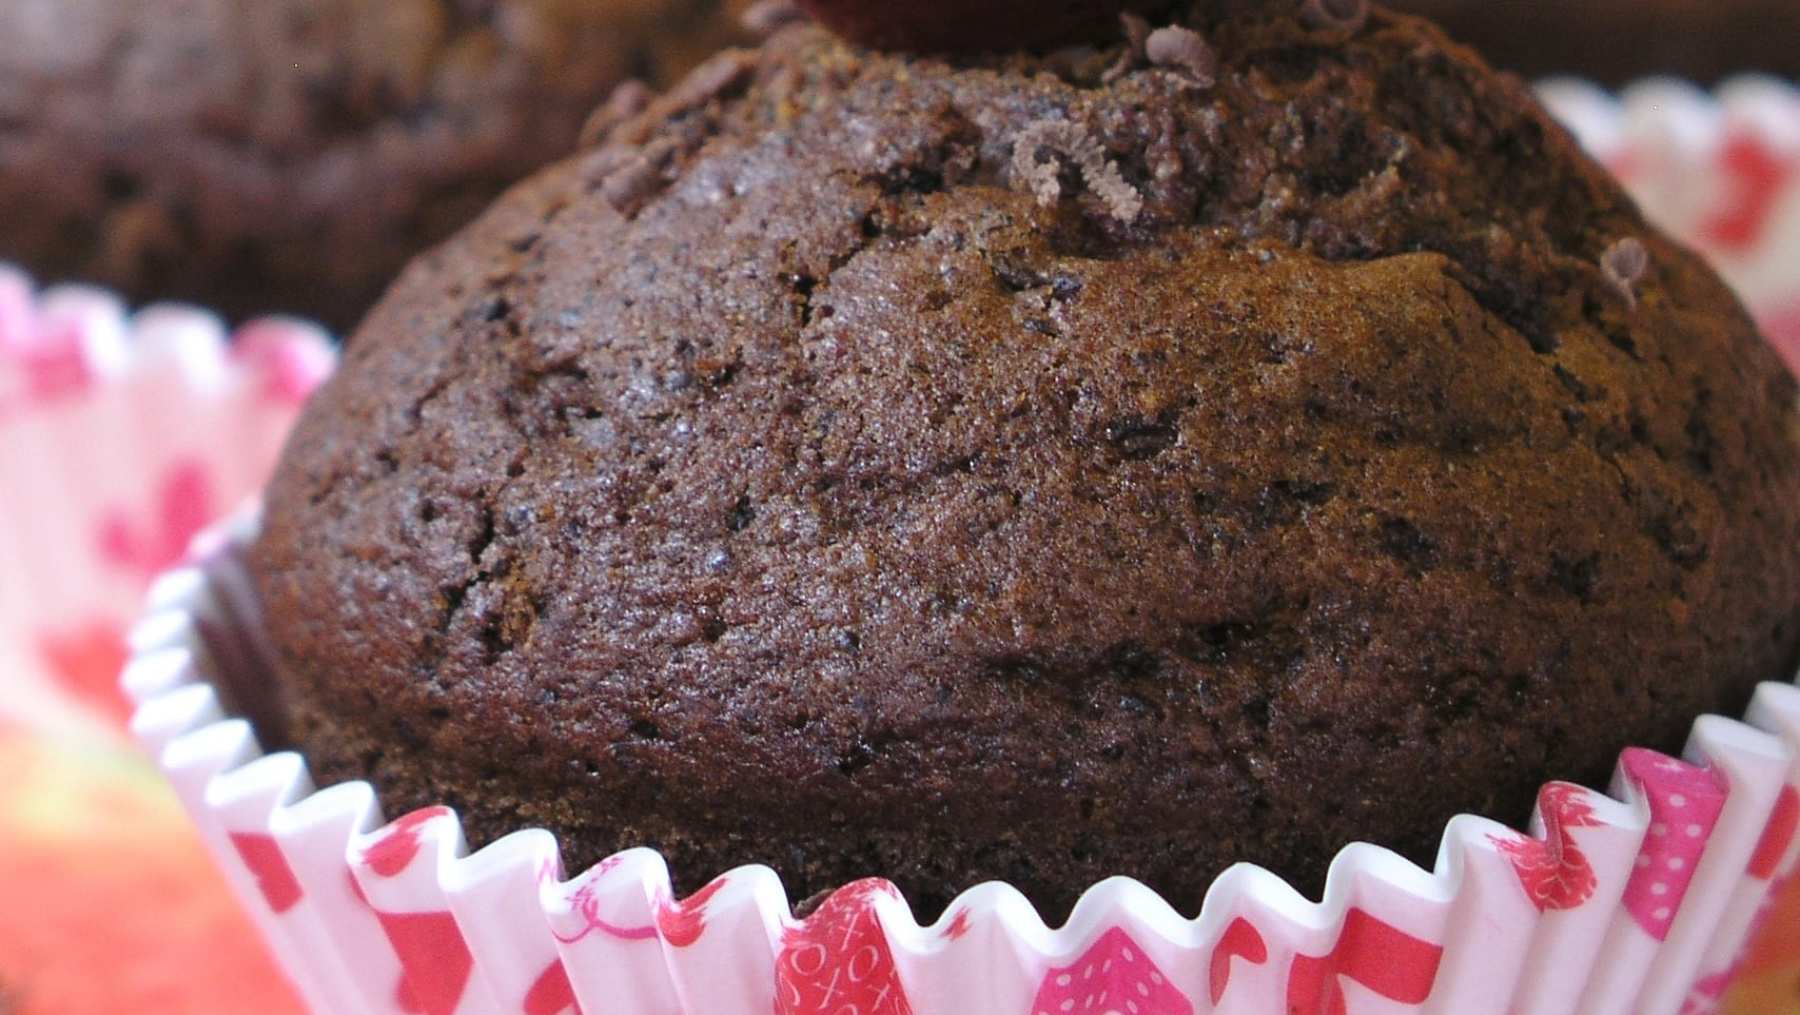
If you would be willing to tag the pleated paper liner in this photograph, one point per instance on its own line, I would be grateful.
(121, 435)
(1638, 900)
(1720, 171)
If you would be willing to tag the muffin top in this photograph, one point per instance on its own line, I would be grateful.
(292, 155)
(1126, 460)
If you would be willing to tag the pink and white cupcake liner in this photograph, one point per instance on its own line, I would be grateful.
(1719, 170)
(121, 435)
(1639, 899)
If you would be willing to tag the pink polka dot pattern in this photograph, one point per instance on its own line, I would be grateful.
(1685, 802)
(1112, 976)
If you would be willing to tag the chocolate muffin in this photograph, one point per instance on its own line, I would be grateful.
(1619, 41)
(292, 155)
(1130, 460)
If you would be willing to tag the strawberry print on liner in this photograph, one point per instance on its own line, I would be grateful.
(837, 961)
(1685, 802)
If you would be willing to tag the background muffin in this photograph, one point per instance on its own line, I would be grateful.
(1039, 469)
(291, 155)
(1618, 41)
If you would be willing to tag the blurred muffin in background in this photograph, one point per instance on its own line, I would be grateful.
(1618, 41)
(292, 155)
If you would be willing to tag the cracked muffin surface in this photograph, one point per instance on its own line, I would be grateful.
(1038, 468)
(292, 155)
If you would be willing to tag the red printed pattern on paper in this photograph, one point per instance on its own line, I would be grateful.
(682, 923)
(1388, 961)
(1114, 975)
(1685, 802)
(434, 960)
(958, 925)
(552, 993)
(394, 851)
(1240, 941)
(274, 877)
(837, 961)
(1777, 836)
(185, 503)
(279, 352)
(1756, 176)
(86, 661)
(1554, 872)
(56, 366)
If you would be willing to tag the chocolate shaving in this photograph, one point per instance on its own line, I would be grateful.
(626, 101)
(630, 186)
(720, 76)
(1344, 15)
(1624, 265)
(1183, 49)
(1042, 176)
(1137, 39)
(766, 17)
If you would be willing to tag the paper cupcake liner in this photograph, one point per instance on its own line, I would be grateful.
(1634, 901)
(121, 435)
(1720, 171)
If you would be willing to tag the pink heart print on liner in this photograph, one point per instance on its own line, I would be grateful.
(137, 430)
(682, 923)
(182, 504)
(1644, 897)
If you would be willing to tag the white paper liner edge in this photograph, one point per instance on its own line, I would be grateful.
(356, 908)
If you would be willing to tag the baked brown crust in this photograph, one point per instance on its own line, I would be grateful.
(807, 476)
(293, 155)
